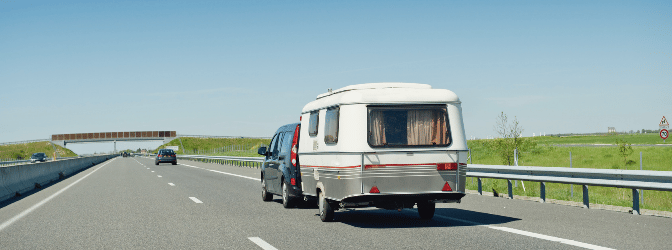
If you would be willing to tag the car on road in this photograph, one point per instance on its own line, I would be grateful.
(165, 155)
(38, 157)
(280, 172)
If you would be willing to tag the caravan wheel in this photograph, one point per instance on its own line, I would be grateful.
(326, 212)
(426, 210)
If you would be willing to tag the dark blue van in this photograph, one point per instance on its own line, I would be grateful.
(280, 173)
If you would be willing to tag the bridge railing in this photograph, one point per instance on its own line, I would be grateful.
(632, 179)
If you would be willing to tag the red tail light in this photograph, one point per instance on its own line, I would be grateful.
(446, 187)
(293, 181)
(374, 190)
(160, 156)
(294, 157)
(446, 166)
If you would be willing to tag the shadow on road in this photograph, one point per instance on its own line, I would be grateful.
(408, 218)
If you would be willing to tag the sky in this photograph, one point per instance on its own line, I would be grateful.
(244, 68)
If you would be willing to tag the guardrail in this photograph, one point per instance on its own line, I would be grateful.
(633, 179)
(14, 162)
(221, 136)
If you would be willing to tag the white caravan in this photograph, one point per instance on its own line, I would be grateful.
(388, 145)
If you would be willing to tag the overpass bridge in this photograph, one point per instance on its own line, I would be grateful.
(64, 139)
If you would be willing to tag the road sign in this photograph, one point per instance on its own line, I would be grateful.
(664, 134)
(663, 122)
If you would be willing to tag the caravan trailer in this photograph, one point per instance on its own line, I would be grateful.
(385, 145)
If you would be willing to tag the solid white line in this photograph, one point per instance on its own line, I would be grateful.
(195, 200)
(242, 176)
(39, 204)
(530, 234)
(159, 176)
(261, 243)
(171, 184)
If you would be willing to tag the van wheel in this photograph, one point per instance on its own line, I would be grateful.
(286, 199)
(156, 163)
(426, 209)
(326, 212)
(265, 195)
(175, 163)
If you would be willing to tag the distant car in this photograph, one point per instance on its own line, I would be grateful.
(165, 155)
(42, 157)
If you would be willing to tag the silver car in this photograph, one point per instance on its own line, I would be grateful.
(41, 157)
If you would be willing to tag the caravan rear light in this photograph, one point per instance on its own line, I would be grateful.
(295, 147)
(293, 181)
(374, 190)
(446, 187)
(446, 166)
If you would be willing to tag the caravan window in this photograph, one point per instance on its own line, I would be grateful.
(331, 125)
(408, 126)
(312, 124)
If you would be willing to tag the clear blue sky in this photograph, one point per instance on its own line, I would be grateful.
(243, 68)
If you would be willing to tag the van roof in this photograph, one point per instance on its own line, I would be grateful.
(383, 93)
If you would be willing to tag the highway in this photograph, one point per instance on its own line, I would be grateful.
(131, 203)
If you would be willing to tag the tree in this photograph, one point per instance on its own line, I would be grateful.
(624, 150)
(510, 139)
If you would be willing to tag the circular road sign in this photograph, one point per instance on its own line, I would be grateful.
(664, 134)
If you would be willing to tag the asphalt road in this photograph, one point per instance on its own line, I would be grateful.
(131, 203)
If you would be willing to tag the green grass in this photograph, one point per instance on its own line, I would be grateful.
(26, 150)
(653, 158)
(649, 138)
(206, 145)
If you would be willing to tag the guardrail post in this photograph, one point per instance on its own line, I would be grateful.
(510, 189)
(586, 200)
(542, 191)
(635, 202)
(480, 186)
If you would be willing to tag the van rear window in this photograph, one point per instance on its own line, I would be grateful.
(408, 126)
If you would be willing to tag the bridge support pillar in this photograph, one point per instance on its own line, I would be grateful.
(115, 147)
(60, 143)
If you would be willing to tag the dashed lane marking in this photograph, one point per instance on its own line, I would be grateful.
(261, 243)
(171, 184)
(159, 176)
(195, 200)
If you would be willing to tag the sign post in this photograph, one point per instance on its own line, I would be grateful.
(664, 125)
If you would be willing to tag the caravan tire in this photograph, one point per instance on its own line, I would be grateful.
(287, 201)
(426, 210)
(265, 195)
(326, 212)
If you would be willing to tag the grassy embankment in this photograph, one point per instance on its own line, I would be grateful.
(547, 155)
(248, 147)
(26, 150)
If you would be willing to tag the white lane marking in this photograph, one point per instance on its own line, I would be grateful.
(159, 176)
(242, 176)
(529, 234)
(171, 184)
(261, 243)
(152, 171)
(195, 200)
(39, 204)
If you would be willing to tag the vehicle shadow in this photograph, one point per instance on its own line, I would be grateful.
(408, 218)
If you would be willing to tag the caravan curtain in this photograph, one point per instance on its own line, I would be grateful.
(426, 127)
(377, 128)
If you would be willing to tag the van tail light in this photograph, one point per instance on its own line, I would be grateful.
(446, 166)
(294, 156)
(293, 181)
(160, 156)
(446, 187)
(374, 190)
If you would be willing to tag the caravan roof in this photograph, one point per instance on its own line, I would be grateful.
(383, 93)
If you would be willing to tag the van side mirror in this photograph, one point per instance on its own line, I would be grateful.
(262, 151)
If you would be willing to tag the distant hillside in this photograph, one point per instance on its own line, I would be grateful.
(24, 151)
(218, 146)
